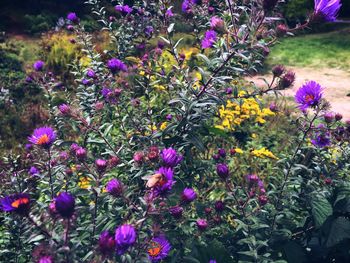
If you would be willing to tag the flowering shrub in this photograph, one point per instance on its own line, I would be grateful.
(147, 162)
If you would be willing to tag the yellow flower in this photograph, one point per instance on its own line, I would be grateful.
(263, 153)
(254, 136)
(163, 126)
(84, 182)
(238, 150)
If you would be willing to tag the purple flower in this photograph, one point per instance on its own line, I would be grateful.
(149, 31)
(44, 136)
(169, 13)
(38, 65)
(114, 187)
(81, 154)
(73, 17)
(252, 178)
(45, 259)
(106, 244)
(170, 157)
(33, 171)
(86, 82)
(209, 39)
(123, 9)
(222, 170)
(159, 249)
(309, 95)
(188, 195)
(169, 117)
(91, 74)
(219, 206)
(326, 10)
(125, 236)
(18, 203)
(64, 109)
(186, 6)
(65, 204)
(202, 224)
(166, 181)
(176, 211)
(116, 65)
(322, 139)
(217, 23)
(222, 153)
(101, 165)
(212, 261)
(287, 80)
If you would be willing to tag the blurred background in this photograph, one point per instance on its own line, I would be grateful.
(27, 33)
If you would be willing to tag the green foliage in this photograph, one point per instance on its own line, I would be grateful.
(39, 23)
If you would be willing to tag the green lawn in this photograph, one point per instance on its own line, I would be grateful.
(315, 50)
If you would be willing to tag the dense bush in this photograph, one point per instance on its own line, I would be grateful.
(167, 154)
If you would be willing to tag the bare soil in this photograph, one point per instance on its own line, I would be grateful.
(336, 83)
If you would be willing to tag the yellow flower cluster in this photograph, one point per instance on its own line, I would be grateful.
(234, 113)
(263, 153)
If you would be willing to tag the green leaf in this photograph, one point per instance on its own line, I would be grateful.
(294, 252)
(339, 231)
(321, 210)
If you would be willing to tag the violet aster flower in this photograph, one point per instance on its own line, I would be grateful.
(309, 95)
(18, 203)
(65, 204)
(186, 6)
(165, 181)
(222, 152)
(176, 211)
(212, 261)
(73, 17)
(170, 157)
(188, 195)
(149, 31)
(326, 10)
(106, 244)
(169, 13)
(125, 237)
(44, 136)
(322, 139)
(114, 187)
(38, 65)
(125, 10)
(202, 224)
(222, 170)
(116, 65)
(159, 249)
(91, 74)
(209, 39)
(33, 171)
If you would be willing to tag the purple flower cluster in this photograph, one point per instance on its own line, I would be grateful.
(65, 204)
(115, 65)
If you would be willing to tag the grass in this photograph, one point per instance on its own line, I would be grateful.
(316, 50)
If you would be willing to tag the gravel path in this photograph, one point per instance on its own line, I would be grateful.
(335, 81)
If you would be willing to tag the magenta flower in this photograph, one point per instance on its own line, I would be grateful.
(33, 171)
(202, 224)
(188, 195)
(326, 10)
(114, 187)
(91, 74)
(159, 249)
(18, 203)
(106, 244)
(44, 136)
(309, 95)
(46, 259)
(170, 157)
(64, 109)
(101, 165)
(209, 39)
(38, 65)
(125, 237)
(217, 23)
(65, 204)
(116, 65)
(124, 9)
(169, 13)
(212, 261)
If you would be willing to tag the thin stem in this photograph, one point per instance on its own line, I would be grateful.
(41, 228)
(50, 173)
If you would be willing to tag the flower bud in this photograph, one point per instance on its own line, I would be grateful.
(222, 170)
(281, 30)
(202, 224)
(219, 206)
(338, 116)
(278, 70)
(287, 80)
(263, 200)
(176, 211)
(101, 165)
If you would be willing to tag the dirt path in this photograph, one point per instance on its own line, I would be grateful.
(335, 81)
